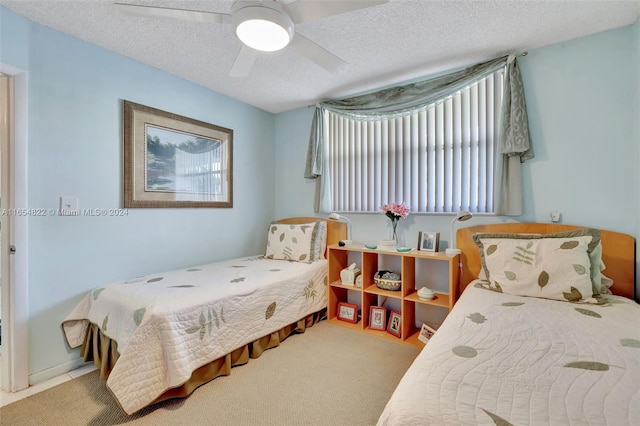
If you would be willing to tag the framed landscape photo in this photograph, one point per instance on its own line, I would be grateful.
(175, 161)
(426, 333)
(428, 241)
(395, 323)
(378, 318)
(347, 312)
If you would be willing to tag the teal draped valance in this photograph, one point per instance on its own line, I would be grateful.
(513, 138)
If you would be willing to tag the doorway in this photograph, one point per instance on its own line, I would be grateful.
(14, 355)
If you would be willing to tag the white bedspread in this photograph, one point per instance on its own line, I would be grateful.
(525, 361)
(169, 324)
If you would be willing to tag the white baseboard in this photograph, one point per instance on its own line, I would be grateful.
(56, 371)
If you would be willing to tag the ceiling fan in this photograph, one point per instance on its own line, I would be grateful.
(265, 25)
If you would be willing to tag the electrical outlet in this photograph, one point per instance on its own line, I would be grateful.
(555, 216)
(68, 203)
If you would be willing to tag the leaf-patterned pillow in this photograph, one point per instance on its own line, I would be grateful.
(601, 283)
(320, 240)
(291, 242)
(553, 266)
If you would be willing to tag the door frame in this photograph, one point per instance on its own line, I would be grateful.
(15, 303)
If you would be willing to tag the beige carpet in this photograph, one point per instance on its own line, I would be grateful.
(327, 376)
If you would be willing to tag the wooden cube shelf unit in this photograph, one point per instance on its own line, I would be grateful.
(366, 296)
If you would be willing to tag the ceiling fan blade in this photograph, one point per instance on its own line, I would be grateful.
(244, 62)
(183, 14)
(304, 11)
(315, 53)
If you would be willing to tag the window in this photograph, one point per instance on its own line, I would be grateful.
(435, 159)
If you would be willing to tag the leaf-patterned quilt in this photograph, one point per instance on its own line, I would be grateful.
(169, 324)
(512, 360)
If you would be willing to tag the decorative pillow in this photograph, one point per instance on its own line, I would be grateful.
(606, 285)
(291, 242)
(553, 266)
(320, 241)
(601, 283)
(599, 280)
(482, 274)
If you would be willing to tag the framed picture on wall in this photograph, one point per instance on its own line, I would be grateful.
(175, 161)
(378, 318)
(395, 323)
(428, 241)
(347, 312)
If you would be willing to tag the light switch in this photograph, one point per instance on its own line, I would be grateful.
(69, 203)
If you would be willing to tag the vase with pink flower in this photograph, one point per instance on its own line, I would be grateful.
(394, 212)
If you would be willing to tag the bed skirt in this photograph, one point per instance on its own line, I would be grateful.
(104, 353)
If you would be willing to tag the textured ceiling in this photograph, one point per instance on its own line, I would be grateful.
(382, 45)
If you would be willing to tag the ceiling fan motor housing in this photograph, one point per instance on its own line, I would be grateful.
(262, 25)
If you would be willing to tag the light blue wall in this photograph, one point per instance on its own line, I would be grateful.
(294, 195)
(583, 119)
(581, 116)
(75, 149)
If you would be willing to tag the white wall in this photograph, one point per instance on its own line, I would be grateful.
(583, 118)
(75, 149)
(636, 117)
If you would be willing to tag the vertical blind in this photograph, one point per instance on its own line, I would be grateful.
(199, 173)
(439, 158)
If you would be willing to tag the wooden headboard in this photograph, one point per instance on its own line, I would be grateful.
(336, 230)
(618, 252)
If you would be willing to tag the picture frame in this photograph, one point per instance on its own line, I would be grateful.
(347, 312)
(377, 318)
(175, 161)
(428, 241)
(426, 333)
(394, 326)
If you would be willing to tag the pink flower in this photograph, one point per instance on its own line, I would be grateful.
(395, 211)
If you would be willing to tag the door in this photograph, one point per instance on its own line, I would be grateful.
(13, 298)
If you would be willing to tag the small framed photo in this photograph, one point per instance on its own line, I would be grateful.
(395, 323)
(348, 312)
(428, 241)
(378, 318)
(426, 333)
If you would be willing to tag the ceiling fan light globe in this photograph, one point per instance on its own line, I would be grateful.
(263, 35)
(262, 27)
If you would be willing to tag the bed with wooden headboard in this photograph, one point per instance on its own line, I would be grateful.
(618, 251)
(162, 335)
(539, 339)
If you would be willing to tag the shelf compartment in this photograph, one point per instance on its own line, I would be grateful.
(337, 260)
(440, 299)
(414, 341)
(373, 289)
(383, 334)
(339, 293)
(339, 284)
(357, 326)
